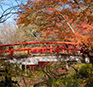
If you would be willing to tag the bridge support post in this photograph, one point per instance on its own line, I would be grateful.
(23, 67)
(51, 49)
(8, 81)
(11, 51)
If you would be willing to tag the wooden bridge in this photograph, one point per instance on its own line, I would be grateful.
(42, 51)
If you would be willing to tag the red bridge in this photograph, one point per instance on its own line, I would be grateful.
(42, 47)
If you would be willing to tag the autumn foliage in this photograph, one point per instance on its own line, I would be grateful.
(66, 20)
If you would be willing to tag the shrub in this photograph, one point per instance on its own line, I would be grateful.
(1, 49)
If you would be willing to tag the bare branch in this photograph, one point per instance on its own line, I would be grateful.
(6, 13)
(1, 7)
(67, 23)
(16, 2)
(82, 11)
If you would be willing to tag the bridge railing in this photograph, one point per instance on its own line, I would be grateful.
(60, 47)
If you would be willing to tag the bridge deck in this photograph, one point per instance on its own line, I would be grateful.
(34, 59)
(47, 51)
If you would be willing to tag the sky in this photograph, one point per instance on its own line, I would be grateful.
(9, 3)
(5, 4)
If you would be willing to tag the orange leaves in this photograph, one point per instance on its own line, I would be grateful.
(50, 9)
(70, 21)
(62, 71)
(85, 31)
(89, 27)
(74, 6)
(77, 14)
(46, 15)
(88, 1)
(48, 18)
(63, 0)
(83, 38)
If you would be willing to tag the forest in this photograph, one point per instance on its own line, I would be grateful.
(24, 21)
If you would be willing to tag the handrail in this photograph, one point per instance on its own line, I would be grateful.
(50, 48)
(39, 42)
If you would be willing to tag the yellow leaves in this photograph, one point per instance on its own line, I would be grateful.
(35, 29)
(89, 80)
(57, 6)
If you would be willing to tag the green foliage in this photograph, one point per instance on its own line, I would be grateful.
(71, 80)
(9, 71)
(86, 70)
(12, 70)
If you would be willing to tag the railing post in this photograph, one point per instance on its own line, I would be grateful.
(70, 51)
(74, 51)
(57, 49)
(37, 50)
(63, 51)
(11, 51)
(42, 50)
(24, 51)
(51, 49)
(28, 52)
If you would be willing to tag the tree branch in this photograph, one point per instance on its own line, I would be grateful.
(68, 23)
(46, 74)
(8, 12)
(82, 12)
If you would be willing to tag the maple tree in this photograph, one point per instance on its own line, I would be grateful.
(64, 18)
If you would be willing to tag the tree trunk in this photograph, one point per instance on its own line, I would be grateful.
(8, 81)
